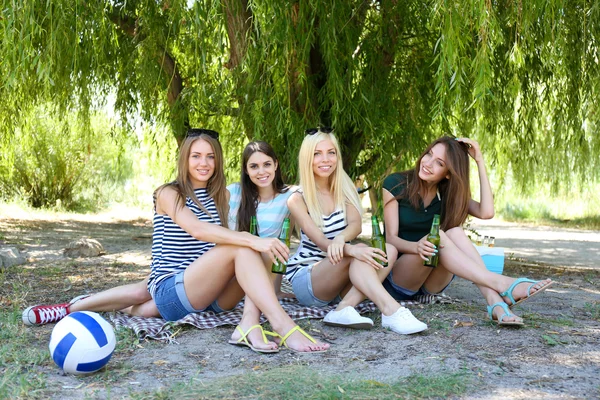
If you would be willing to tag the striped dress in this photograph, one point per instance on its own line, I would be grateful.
(308, 253)
(173, 249)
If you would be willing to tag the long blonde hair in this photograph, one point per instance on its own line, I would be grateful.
(216, 185)
(340, 184)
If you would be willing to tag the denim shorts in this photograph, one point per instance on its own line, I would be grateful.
(173, 303)
(400, 293)
(302, 286)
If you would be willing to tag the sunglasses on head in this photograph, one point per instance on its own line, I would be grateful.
(323, 129)
(195, 132)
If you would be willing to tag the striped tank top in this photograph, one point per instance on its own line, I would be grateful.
(308, 253)
(173, 249)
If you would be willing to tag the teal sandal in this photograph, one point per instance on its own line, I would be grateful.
(507, 313)
(508, 292)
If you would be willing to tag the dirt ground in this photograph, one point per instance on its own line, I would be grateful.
(557, 354)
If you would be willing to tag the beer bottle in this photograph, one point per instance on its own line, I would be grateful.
(253, 226)
(434, 238)
(284, 236)
(377, 240)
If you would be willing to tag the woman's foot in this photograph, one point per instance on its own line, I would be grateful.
(255, 338)
(295, 339)
(523, 288)
(500, 313)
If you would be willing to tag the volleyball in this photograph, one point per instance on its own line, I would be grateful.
(82, 342)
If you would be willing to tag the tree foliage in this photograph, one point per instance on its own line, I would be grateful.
(522, 77)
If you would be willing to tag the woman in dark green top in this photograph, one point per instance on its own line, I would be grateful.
(439, 184)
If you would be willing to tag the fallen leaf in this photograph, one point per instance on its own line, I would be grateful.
(160, 362)
(341, 390)
(459, 324)
(256, 368)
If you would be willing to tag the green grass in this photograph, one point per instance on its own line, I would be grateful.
(304, 382)
(20, 359)
(537, 319)
(593, 309)
(583, 211)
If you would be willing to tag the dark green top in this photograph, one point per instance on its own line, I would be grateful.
(413, 224)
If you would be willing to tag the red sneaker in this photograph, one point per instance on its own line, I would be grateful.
(40, 315)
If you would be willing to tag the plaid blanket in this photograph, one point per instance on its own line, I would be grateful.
(159, 329)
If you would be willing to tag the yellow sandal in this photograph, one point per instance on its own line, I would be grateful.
(243, 341)
(294, 329)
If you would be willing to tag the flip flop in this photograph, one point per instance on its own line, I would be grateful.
(507, 313)
(508, 292)
(294, 329)
(244, 342)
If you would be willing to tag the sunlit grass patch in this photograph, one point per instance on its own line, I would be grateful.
(582, 212)
(304, 382)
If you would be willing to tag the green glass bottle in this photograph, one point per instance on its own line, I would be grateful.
(377, 240)
(253, 226)
(434, 238)
(280, 267)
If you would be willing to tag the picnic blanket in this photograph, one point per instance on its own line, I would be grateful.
(159, 329)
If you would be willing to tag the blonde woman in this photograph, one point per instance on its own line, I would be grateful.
(326, 268)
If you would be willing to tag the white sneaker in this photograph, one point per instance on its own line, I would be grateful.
(78, 298)
(347, 317)
(403, 322)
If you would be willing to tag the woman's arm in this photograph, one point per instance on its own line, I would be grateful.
(166, 203)
(299, 213)
(337, 247)
(484, 209)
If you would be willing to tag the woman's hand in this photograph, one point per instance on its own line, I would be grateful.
(425, 248)
(274, 248)
(335, 250)
(474, 150)
(369, 255)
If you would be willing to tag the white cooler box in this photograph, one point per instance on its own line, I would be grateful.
(493, 257)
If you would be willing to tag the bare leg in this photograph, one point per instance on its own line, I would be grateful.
(354, 296)
(120, 298)
(329, 280)
(203, 282)
(457, 235)
(410, 273)
(460, 259)
(367, 281)
(277, 278)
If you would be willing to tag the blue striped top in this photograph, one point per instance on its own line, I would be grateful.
(308, 253)
(270, 215)
(173, 249)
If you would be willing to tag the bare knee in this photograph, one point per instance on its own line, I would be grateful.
(246, 252)
(237, 251)
(140, 294)
(455, 233)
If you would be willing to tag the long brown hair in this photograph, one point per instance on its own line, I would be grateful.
(249, 196)
(216, 187)
(454, 190)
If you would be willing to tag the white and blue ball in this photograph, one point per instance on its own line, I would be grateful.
(82, 343)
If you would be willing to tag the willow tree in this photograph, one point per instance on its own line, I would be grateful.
(520, 76)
